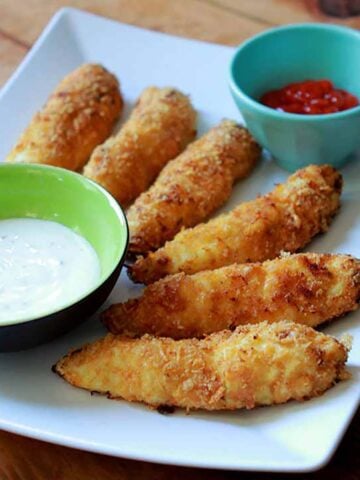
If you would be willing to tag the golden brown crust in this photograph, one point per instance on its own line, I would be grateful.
(306, 288)
(254, 365)
(192, 186)
(162, 123)
(79, 115)
(285, 219)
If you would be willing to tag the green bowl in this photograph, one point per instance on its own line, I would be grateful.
(51, 193)
(290, 54)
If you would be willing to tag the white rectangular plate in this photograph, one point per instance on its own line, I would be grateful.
(35, 402)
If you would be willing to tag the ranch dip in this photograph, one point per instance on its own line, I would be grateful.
(44, 266)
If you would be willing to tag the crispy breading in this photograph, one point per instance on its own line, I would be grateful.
(161, 125)
(79, 115)
(307, 288)
(192, 186)
(285, 219)
(254, 365)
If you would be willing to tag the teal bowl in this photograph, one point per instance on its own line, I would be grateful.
(295, 53)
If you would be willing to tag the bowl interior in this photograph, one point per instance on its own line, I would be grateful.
(50, 193)
(295, 53)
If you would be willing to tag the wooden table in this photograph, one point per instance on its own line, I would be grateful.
(222, 21)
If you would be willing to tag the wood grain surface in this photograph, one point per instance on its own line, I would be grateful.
(224, 21)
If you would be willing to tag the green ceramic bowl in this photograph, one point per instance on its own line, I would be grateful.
(290, 54)
(51, 193)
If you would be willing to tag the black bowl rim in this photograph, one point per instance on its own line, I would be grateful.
(24, 336)
(120, 261)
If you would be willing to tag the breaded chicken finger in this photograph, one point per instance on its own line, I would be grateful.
(78, 116)
(285, 219)
(192, 186)
(307, 288)
(162, 123)
(254, 365)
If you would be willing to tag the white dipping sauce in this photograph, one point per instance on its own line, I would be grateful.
(44, 266)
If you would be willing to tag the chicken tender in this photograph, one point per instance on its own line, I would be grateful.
(307, 288)
(192, 186)
(161, 125)
(78, 116)
(285, 219)
(254, 365)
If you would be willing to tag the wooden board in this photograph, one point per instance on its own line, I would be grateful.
(188, 18)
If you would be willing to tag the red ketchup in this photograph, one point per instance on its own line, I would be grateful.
(311, 97)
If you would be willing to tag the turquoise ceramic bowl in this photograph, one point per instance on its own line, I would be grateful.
(295, 53)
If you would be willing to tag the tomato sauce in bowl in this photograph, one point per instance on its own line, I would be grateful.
(310, 97)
